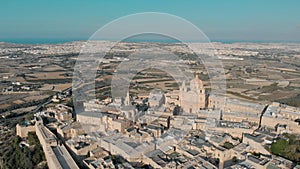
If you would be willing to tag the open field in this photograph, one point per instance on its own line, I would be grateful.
(256, 72)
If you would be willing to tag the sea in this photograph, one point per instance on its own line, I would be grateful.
(60, 41)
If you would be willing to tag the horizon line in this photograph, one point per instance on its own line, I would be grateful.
(36, 41)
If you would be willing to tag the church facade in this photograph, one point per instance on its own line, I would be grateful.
(192, 96)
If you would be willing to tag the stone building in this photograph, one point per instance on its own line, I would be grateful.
(156, 98)
(282, 118)
(23, 129)
(192, 97)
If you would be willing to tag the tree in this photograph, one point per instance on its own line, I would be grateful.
(32, 138)
(16, 141)
(228, 145)
(234, 159)
(25, 157)
(29, 117)
(249, 70)
(279, 147)
(176, 110)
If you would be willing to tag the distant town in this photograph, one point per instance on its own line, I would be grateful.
(158, 122)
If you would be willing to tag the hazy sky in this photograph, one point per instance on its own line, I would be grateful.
(273, 20)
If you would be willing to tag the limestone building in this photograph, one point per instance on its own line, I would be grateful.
(23, 129)
(156, 99)
(192, 97)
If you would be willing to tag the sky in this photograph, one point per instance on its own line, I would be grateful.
(220, 20)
